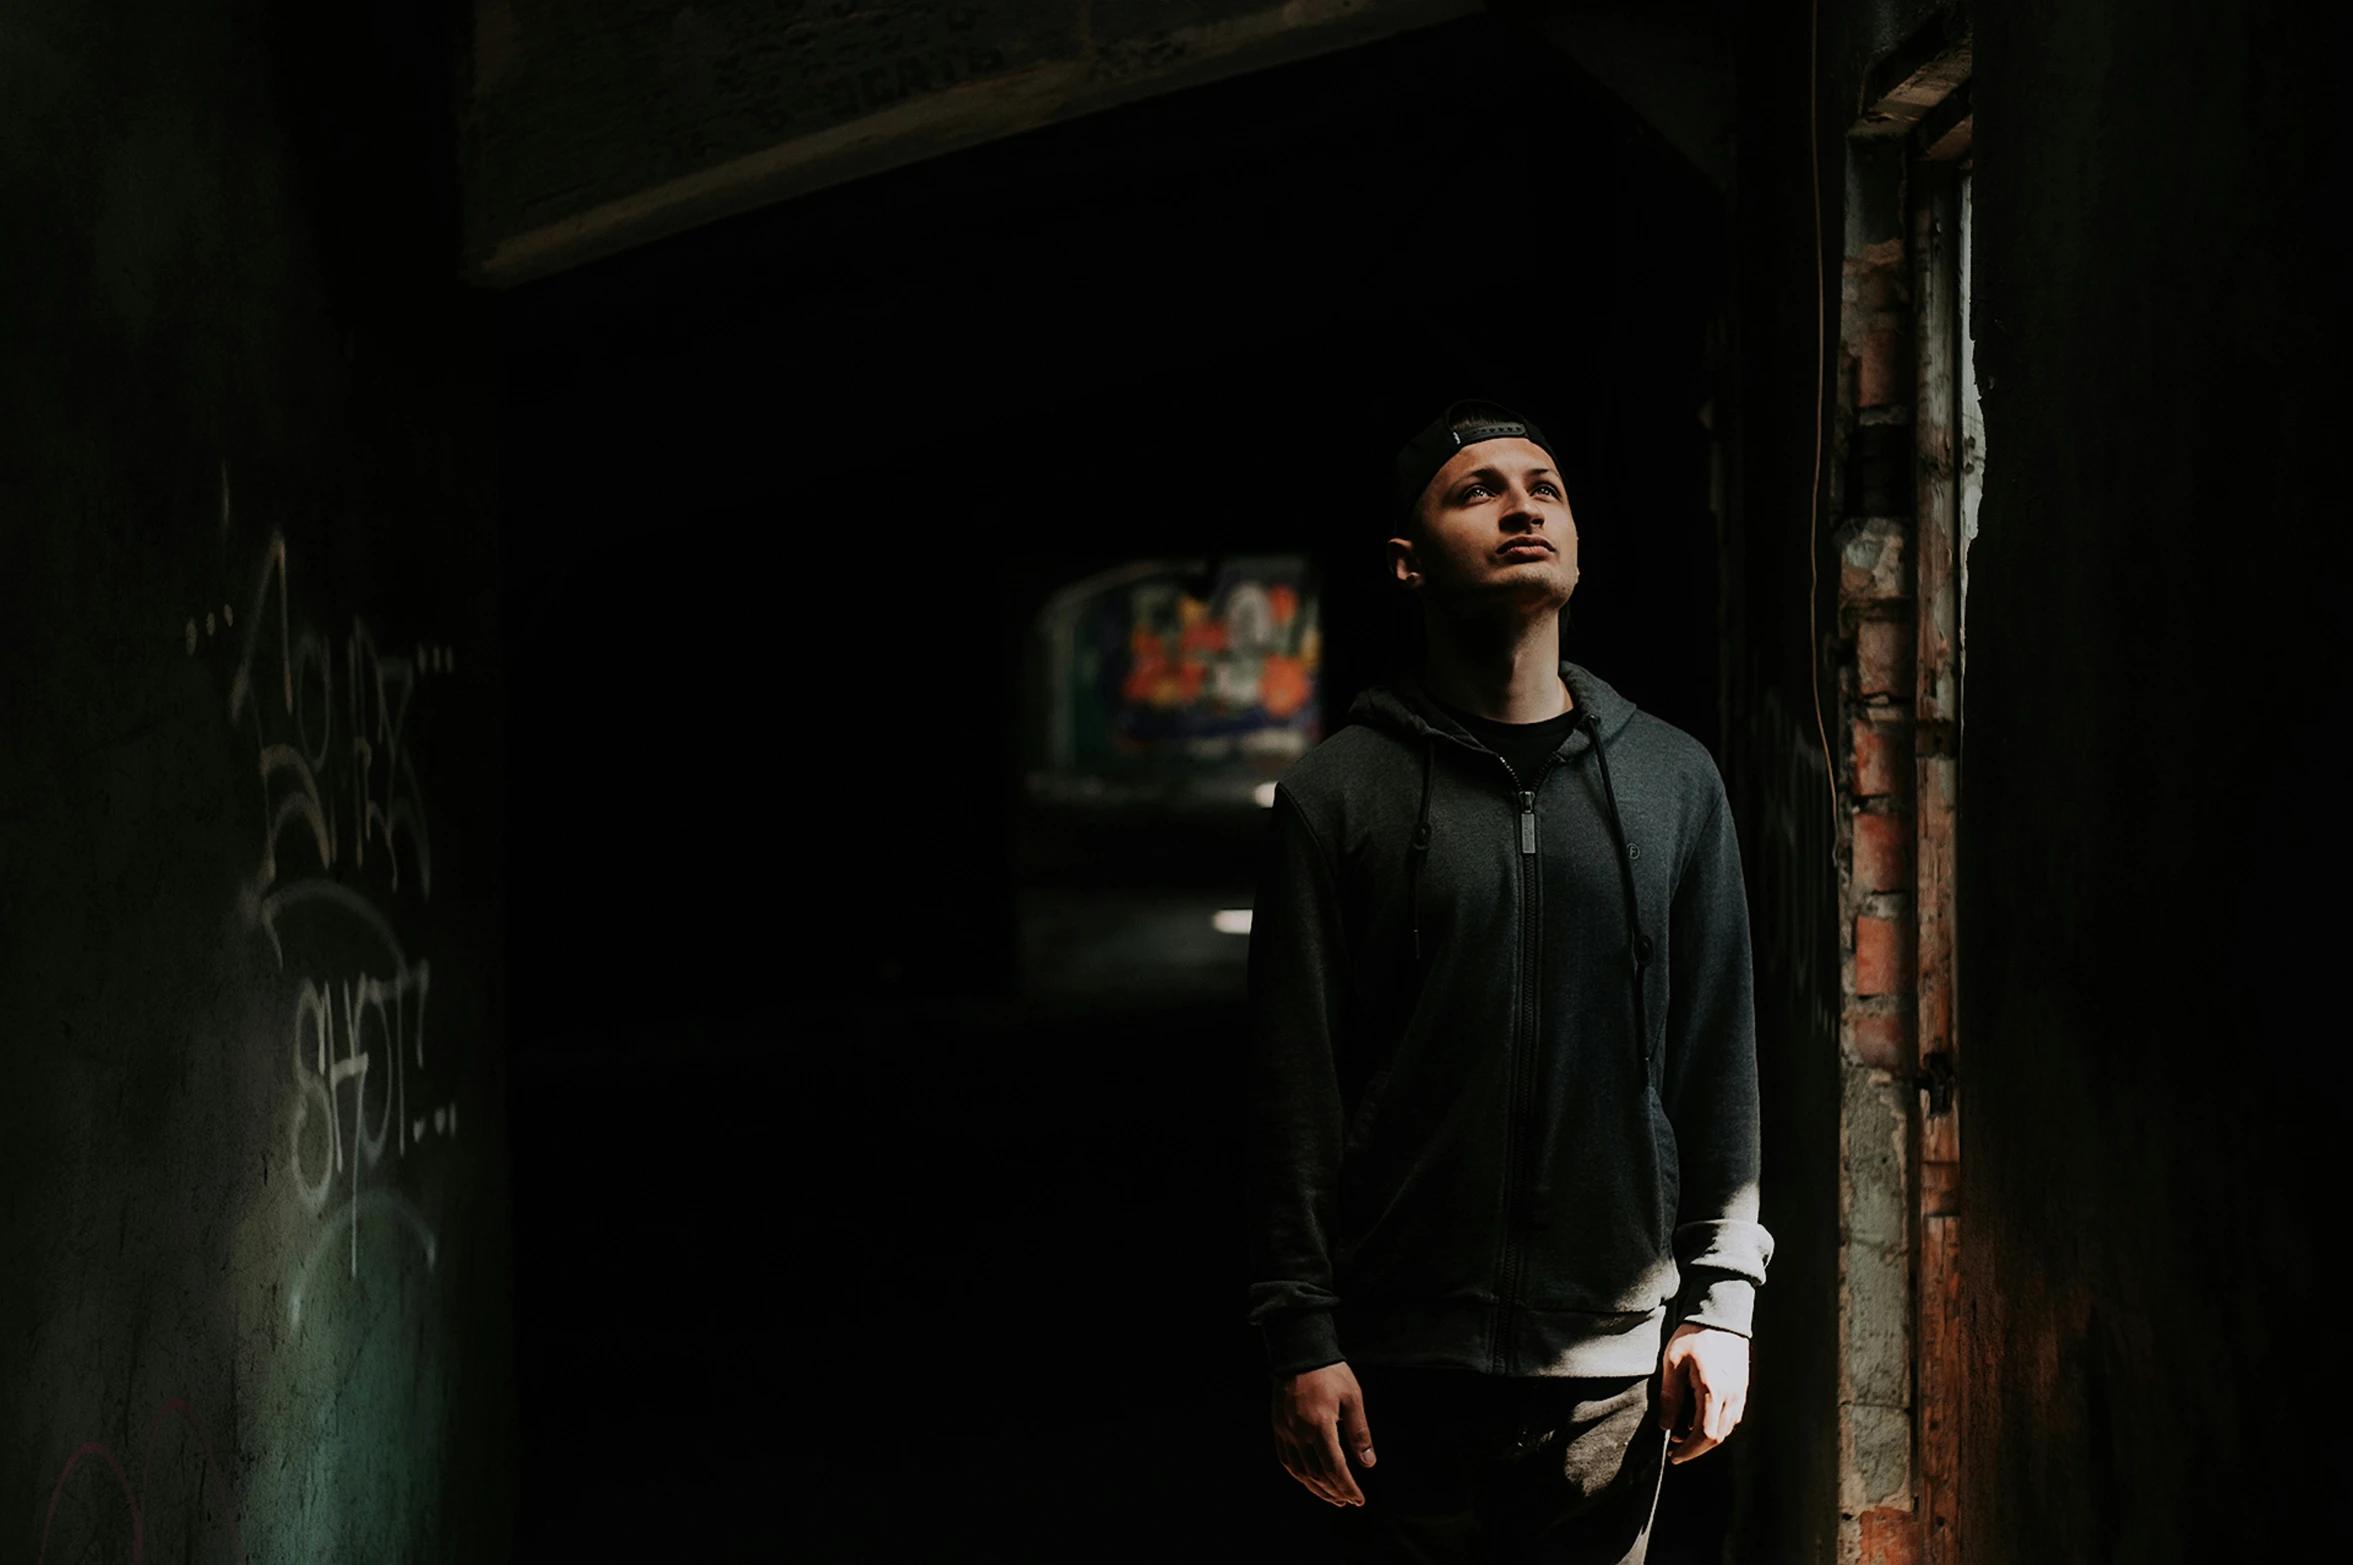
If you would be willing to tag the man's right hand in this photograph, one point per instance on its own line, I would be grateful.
(1315, 1415)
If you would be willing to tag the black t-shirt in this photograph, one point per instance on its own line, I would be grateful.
(1524, 746)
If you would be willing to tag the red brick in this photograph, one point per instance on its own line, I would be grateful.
(1883, 852)
(1890, 1536)
(1878, 957)
(1879, 1041)
(1874, 562)
(1883, 655)
(1875, 760)
(1879, 371)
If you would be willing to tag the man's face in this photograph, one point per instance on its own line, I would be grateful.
(1495, 526)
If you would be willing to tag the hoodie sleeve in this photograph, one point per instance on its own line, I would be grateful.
(1710, 1084)
(1293, 1131)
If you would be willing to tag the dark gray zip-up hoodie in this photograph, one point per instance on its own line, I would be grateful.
(1503, 1108)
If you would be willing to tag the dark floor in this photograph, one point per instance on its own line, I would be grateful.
(962, 1285)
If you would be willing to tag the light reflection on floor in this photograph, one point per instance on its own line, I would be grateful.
(1133, 948)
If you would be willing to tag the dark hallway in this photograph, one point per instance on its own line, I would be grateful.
(626, 917)
(810, 474)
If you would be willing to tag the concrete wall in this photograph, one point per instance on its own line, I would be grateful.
(252, 1168)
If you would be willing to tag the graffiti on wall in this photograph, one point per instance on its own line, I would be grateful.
(1173, 668)
(325, 904)
(343, 841)
(139, 1499)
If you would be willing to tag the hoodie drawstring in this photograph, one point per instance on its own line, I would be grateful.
(1421, 845)
(1639, 946)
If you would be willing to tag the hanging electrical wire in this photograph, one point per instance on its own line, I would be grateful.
(1821, 361)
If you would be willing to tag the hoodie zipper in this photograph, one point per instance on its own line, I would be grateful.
(1523, 1076)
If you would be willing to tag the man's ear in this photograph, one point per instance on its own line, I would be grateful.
(1403, 563)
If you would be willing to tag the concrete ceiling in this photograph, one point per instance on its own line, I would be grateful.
(589, 128)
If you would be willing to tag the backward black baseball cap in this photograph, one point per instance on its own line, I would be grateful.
(1435, 446)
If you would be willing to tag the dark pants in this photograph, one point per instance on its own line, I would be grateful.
(1504, 1470)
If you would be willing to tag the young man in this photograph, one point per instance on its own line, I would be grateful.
(1503, 1143)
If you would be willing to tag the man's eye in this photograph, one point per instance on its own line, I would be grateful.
(1474, 491)
(1547, 489)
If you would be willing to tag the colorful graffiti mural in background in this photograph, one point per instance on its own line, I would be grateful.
(1177, 670)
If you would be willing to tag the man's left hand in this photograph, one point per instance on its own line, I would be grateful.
(1703, 1388)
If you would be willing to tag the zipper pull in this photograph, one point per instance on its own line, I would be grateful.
(1527, 823)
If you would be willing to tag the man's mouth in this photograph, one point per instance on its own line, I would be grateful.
(1525, 546)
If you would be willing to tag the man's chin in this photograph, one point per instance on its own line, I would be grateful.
(1550, 578)
(1518, 592)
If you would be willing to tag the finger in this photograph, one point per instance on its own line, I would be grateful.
(1709, 1420)
(1318, 1483)
(1335, 1467)
(1356, 1431)
(1299, 1467)
(1314, 1486)
(1690, 1446)
(1298, 1463)
(1322, 1490)
(1673, 1396)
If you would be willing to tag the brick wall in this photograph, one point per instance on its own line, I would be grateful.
(1893, 507)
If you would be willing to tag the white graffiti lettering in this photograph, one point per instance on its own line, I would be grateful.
(345, 846)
